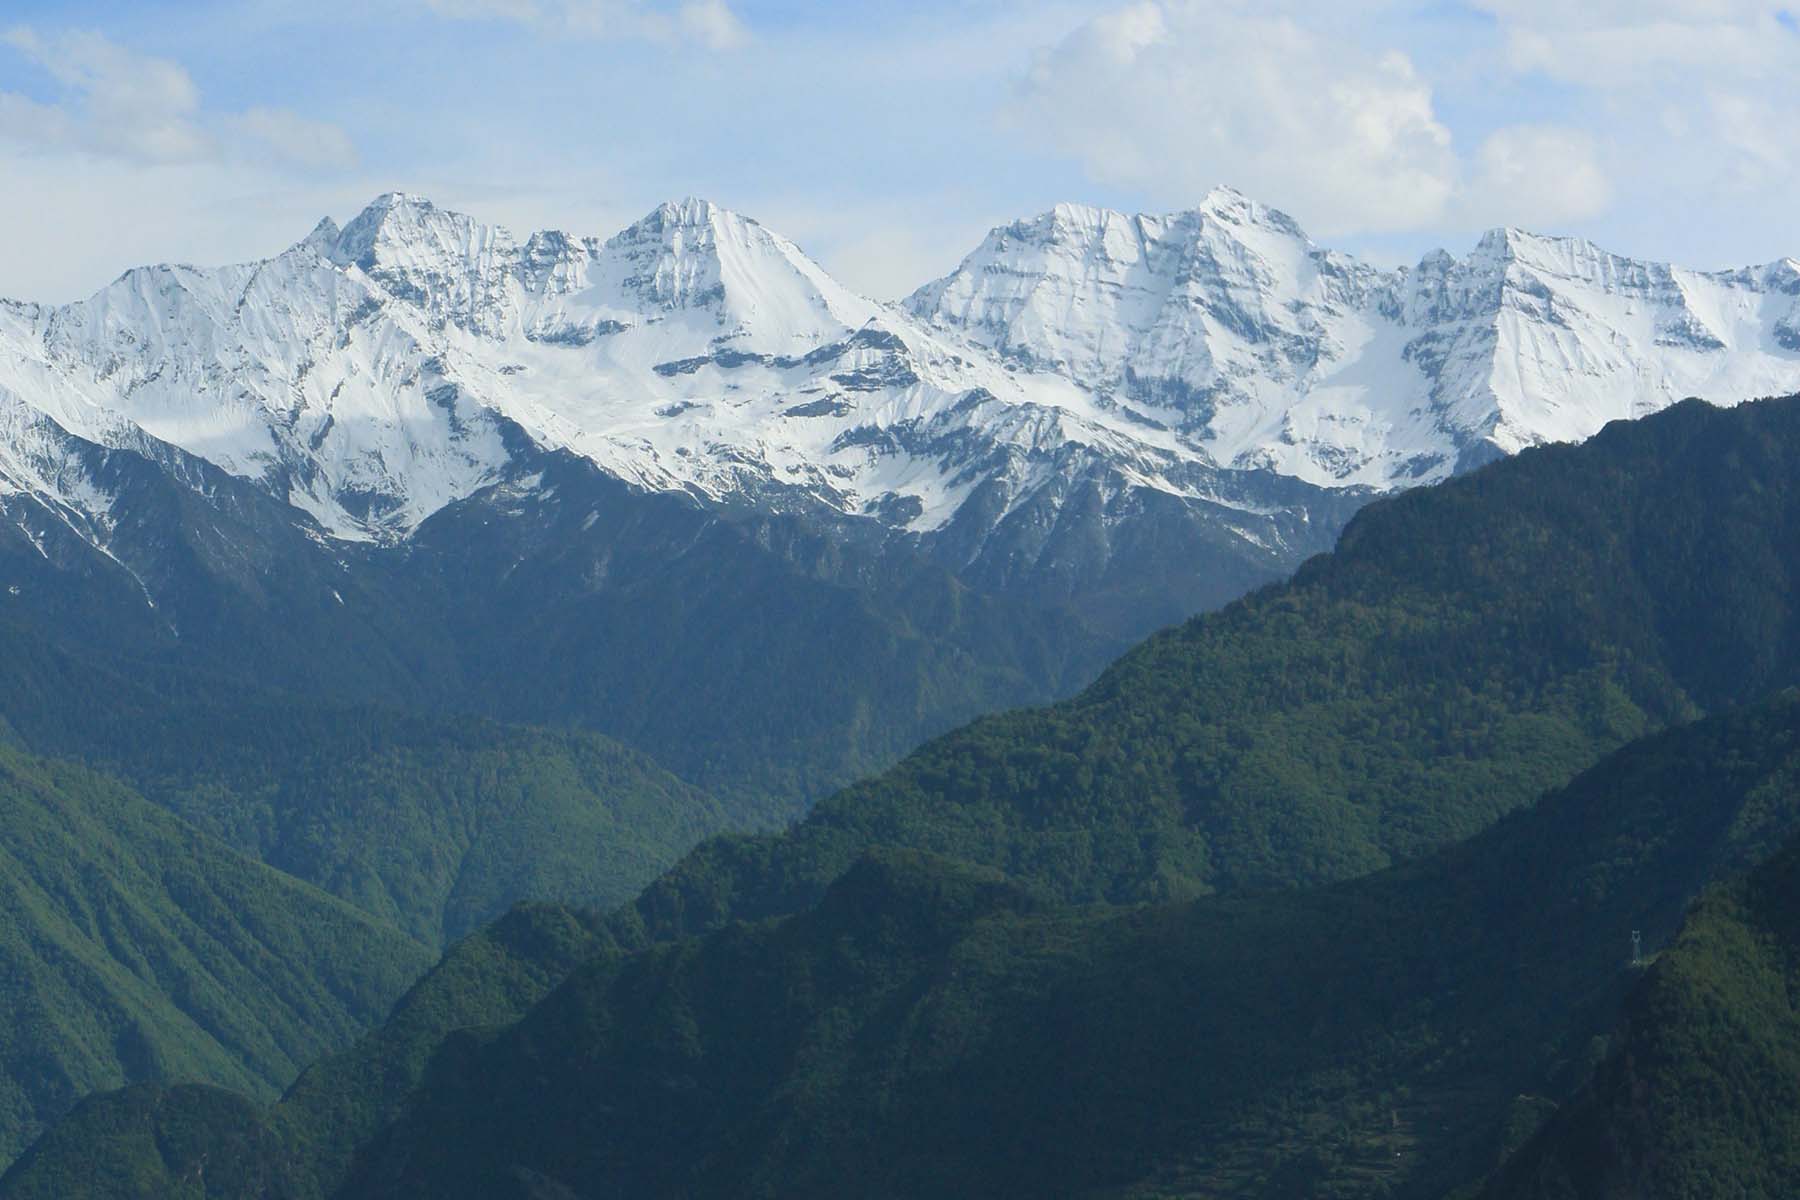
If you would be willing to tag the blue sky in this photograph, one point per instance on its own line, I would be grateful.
(886, 137)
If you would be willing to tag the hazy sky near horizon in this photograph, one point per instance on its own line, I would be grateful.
(885, 138)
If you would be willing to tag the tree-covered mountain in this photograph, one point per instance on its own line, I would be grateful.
(933, 1026)
(1464, 648)
(157, 1139)
(1699, 1094)
(134, 947)
(433, 824)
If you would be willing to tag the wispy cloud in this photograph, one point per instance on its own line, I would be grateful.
(478, 10)
(1335, 115)
(1615, 44)
(294, 138)
(1172, 98)
(122, 103)
(1688, 102)
(710, 23)
(146, 109)
(1543, 175)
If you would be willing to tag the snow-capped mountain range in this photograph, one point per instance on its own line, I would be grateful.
(1258, 348)
(372, 374)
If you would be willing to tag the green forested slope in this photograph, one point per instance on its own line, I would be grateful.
(1466, 647)
(432, 823)
(191, 1140)
(134, 947)
(933, 1028)
(1700, 1096)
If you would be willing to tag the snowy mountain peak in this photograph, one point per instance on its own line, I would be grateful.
(1498, 242)
(1562, 255)
(323, 239)
(1066, 219)
(1232, 207)
(694, 256)
(390, 226)
(446, 262)
(1435, 262)
(692, 212)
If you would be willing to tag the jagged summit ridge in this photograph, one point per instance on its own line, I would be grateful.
(377, 371)
(1227, 324)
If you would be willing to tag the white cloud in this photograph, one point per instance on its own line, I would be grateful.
(296, 139)
(135, 168)
(132, 105)
(476, 10)
(1173, 98)
(1690, 102)
(1614, 44)
(25, 121)
(710, 23)
(1759, 136)
(148, 110)
(1540, 176)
